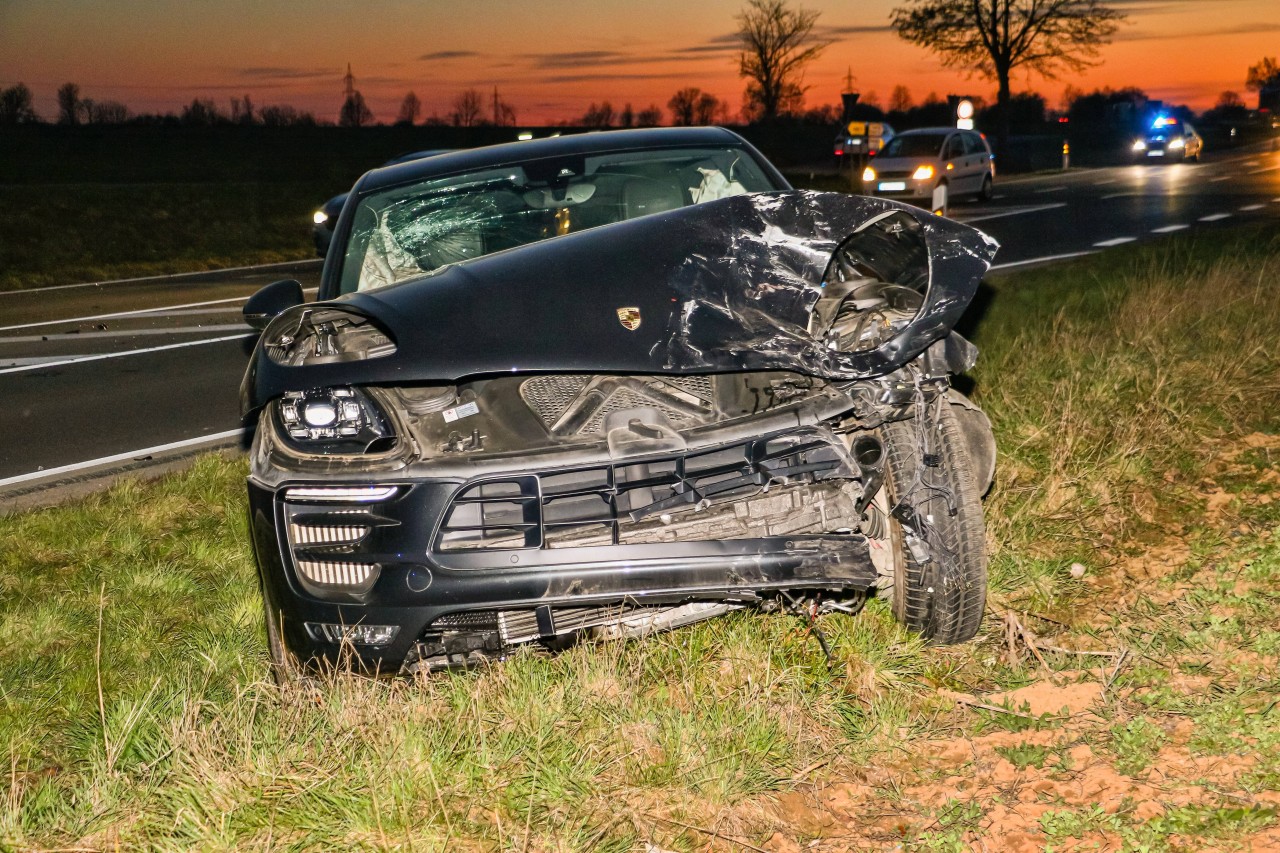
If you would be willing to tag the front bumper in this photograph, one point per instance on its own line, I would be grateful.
(539, 563)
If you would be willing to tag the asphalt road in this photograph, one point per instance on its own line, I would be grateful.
(93, 377)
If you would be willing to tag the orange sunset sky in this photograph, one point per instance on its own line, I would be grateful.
(551, 59)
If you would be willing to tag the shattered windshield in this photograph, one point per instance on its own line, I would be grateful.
(408, 231)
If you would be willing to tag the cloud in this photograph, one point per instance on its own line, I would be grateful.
(586, 78)
(1239, 29)
(447, 54)
(577, 58)
(279, 73)
(855, 29)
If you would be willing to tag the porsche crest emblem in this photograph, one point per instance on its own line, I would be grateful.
(629, 318)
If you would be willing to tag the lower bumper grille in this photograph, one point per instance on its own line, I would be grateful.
(624, 503)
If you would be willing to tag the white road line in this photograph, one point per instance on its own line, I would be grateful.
(1114, 241)
(1104, 183)
(1252, 207)
(1214, 217)
(1120, 195)
(1051, 189)
(67, 337)
(1169, 229)
(1042, 260)
(1252, 163)
(998, 195)
(76, 359)
(1221, 178)
(120, 457)
(136, 312)
(1267, 169)
(162, 277)
(1013, 212)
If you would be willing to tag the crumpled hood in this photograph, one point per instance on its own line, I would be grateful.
(717, 287)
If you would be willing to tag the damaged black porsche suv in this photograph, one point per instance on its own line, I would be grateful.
(610, 384)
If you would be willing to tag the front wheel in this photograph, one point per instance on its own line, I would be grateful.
(985, 193)
(940, 586)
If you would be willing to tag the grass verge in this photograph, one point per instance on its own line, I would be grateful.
(1121, 695)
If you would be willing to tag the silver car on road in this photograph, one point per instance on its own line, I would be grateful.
(932, 166)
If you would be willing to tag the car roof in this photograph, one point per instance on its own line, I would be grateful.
(931, 131)
(492, 156)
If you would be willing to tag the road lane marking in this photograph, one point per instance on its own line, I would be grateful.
(1221, 178)
(1042, 260)
(1268, 169)
(1214, 217)
(1114, 241)
(1120, 195)
(134, 313)
(1014, 212)
(999, 195)
(1253, 207)
(1168, 229)
(76, 359)
(308, 261)
(1104, 183)
(1252, 163)
(64, 337)
(1051, 189)
(121, 457)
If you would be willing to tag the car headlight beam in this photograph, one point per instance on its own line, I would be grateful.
(319, 217)
(1139, 145)
(868, 174)
(922, 173)
(1177, 142)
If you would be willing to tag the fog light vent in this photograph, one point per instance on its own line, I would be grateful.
(345, 534)
(332, 573)
(360, 635)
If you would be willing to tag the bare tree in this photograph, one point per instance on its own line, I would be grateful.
(650, 117)
(242, 111)
(627, 118)
(1229, 100)
(468, 107)
(198, 112)
(15, 105)
(355, 112)
(992, 38)
(1264, 75)
(597, 115)
(504, 115)
(777, 43)
(900, 99)
(410, 109)
(683, 104)
(68, 104)
(281, 115)
(107, 112)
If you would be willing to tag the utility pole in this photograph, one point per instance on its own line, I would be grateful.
(496, 118)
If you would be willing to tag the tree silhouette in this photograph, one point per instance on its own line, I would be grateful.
(468, 107)
(777, 43)
(355, 112)
(1264, 75)
(650, 117)
(600, 116)
(15, 105)
(692, 106)
(410, 109)
(900, 99)
(68, 104)
(992, 38)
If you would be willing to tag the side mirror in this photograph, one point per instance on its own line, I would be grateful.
(270, 301)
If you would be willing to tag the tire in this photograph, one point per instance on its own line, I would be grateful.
(943, 595)
(985, 193)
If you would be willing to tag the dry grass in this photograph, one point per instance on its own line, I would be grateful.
(1137, 421)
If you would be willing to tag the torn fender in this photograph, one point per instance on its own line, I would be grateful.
(724, 286)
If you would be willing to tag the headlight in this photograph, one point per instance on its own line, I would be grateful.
(313, 335)
(333, 420)
(1139, 145)
(923, 173)
(1177, 142)
(868, 174)
(319, 217)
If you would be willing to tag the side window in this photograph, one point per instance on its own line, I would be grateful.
(955, 147)
(973, 144)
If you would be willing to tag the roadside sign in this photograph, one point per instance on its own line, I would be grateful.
(857, 128)
(875, 128)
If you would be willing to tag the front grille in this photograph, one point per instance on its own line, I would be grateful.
(894, 173)
(578, 404)
(619, 503)
(521, 626)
